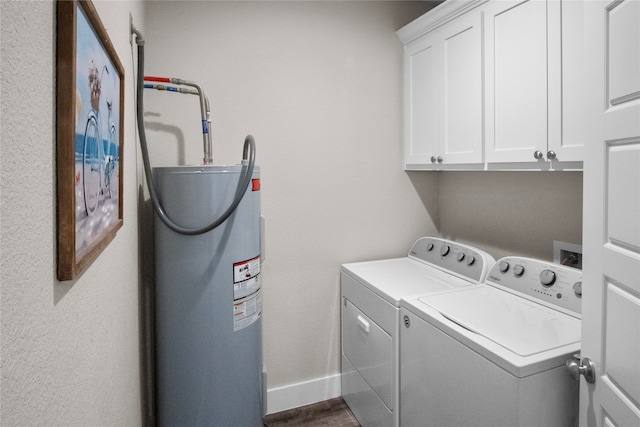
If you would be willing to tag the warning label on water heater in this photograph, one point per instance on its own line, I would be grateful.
(247, 296)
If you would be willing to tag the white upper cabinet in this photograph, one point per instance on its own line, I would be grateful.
(533, 60)
(494, 84)
(443, 96)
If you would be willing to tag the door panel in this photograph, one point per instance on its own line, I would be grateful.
(611, 236)
(622, 308)
(623, 52)
(623, 214)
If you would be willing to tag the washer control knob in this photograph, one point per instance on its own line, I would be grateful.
(460, 257)
(518, 270)
(577, 289)
(444, 251)
(429, 247)
(504, 267)
(547, 278)
(471, 260)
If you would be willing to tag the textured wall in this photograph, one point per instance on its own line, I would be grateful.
(69, 351)
(319, 85)
(512, 213)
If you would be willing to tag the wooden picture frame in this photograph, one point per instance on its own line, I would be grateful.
(90, 137)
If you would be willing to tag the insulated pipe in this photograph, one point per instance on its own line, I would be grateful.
(249, 155)
(204, 111)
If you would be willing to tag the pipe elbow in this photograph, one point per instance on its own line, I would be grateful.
(138, 34)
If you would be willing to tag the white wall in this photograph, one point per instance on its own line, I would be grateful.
(511, 213)
(319, 85)
(69, 350)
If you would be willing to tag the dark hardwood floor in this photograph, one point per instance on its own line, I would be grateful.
(333, 412)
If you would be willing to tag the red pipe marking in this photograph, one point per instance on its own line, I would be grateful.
(157, 79)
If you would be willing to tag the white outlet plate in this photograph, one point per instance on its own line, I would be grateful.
(559, 246)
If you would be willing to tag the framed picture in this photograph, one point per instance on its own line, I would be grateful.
(90, 112)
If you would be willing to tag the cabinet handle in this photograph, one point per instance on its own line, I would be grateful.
(433, 159)
(440, 159)
(551, 155)
(538, 155)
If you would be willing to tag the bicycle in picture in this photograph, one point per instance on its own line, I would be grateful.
(99, 155)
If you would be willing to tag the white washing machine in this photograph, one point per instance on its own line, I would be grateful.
(371, 293)
(494, 355)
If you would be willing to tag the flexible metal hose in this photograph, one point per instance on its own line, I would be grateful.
(248, 160)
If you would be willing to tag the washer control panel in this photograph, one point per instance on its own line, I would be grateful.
(554, 285)
(459, 259)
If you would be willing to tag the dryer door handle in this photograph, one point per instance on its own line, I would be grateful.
(363, 323)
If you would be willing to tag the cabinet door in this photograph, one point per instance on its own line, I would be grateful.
(462, 139)
(422, 107)
(516, 80)
(566, 72)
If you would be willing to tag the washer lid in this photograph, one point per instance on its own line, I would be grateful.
(521, 326)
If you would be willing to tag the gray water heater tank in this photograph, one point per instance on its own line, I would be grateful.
(208, 301)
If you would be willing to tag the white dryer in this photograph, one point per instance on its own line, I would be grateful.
(494, 355)
(371, 293)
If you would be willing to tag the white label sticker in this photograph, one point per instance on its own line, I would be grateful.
(247, 310)
(246, 269)
(247, 296)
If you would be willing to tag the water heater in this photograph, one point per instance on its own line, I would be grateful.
(208, 300)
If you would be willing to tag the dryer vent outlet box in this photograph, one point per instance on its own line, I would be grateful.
(567, 254)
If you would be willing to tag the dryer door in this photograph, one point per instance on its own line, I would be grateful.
(370, 350)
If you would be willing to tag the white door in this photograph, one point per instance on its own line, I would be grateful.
(611, 236)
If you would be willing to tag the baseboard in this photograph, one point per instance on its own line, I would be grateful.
(304, 393)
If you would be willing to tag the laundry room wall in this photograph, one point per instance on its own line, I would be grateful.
(511, 213)
(319, 85)
(69, 350)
